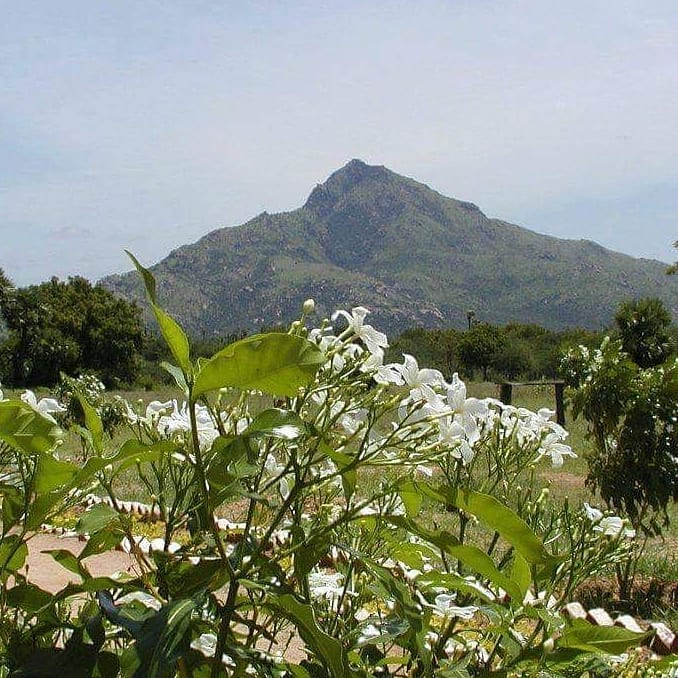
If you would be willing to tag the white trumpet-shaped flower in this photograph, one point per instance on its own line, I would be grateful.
(46, 406)
(374, 340)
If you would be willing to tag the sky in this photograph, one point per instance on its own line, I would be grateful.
(145, 125)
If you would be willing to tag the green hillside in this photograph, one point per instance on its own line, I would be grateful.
(368, 236)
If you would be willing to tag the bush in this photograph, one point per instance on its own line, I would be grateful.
(376, 515)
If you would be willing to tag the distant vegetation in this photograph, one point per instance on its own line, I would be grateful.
(72, 327)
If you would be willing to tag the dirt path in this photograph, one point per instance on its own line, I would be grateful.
(46, 573)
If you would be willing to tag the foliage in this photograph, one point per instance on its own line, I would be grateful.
(527, 352)
(632, 413)
(643, 328)
(674, 267)
(333, 543)
(72, 390)
(69, 327)
(480, 348)
(411, 255)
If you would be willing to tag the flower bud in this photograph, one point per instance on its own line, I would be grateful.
(308, 307)
(549, 646)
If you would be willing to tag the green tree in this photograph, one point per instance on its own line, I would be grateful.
(643, 328)
(673, 268)
(480, 347)
(631, 413)
(69, 327)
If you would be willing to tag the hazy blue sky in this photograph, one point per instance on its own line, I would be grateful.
(144, 125)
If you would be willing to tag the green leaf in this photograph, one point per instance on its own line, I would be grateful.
(44, 505)
(93, 424)
(501, 519)
(163, 639)
(453, 582)
(12, 506)
(101, 541)
(469, 555)
(131, 453)
(69, 561)
(349, 476)
(186, 579)
(275, 363)
(171, 330)
(176, 373)
(13, 553)
(411, 498)
(609, 639)
(480, 562)
(25, 429)
(521, 574)
(326, 649)
(96, 518)
(277, 423)
(28, 597)
(51, 474)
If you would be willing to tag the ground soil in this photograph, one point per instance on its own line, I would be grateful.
(46, 573)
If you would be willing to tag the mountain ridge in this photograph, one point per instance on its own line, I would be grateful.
(368, 236)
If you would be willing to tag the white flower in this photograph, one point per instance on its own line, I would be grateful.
(273, 468)
(611, 526)
(325, 585)
(552, 447)
(614, 526)
(593, 514)
(374, 340)
(445, 607)
(206, 644)
(368, 632)
(178, 421)
(46, 406)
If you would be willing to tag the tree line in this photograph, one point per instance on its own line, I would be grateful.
(75, 327)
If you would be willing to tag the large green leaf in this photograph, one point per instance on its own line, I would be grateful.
(52, 473)
(500, 518)
(161, 641)
(70, 561)
(277, 423)
(97, 518)
(25, 429)
(93, 424)
(129, 454)
(411, 498)
(610, 639)
(174, 336)
(329, 651)
(469, 555)
(275, 363)
(13, 553)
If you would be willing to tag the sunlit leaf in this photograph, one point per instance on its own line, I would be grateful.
(500, 518)
(329, 651)
(610, 639)
(275, 363)
(93, 424)
(25, 429)
(277, 423)
(174, 336)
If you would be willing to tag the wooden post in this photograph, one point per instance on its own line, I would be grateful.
(560, 403)
(505, 389)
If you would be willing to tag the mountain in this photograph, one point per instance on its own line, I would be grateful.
(370, 237)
